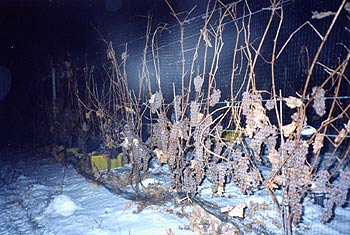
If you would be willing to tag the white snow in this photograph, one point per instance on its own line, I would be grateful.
(308, 130)
(40, 196)
(62, 205)
(149, 181)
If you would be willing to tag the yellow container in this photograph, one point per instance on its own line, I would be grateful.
(100, 162)
(230, 135)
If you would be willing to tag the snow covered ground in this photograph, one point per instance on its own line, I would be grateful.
(40, 196)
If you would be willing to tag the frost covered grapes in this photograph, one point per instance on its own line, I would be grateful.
(215, 97)
(319, 101)
(198, 83)
(156, 101)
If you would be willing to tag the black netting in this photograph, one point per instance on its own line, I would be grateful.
(291, 66)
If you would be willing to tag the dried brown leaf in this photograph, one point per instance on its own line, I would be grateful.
(340, 136)
(347, 7)
(273, 158)
(88, 115)
(193, 164)
(289, 129)
(95, 172)
(272, 185)
(67, 63)
(320, 15)
(259, 117)
(347, 126)
(249, 131)
(99, 113)
(84, 127)
(128, 205)
(129, 110)
(293, 102)
(220, 191)
(199, 118)
(318, 143)
(162, 158)
(152, 99)
(238, 211)
(94, 185)
(275, 183)
(226, 209)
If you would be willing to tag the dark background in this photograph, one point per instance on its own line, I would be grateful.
(32, 32)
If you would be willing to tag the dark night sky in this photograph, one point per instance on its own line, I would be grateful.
(33, 30)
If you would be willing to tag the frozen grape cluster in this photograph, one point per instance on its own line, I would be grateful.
(255, 144)
(157, 100)
(242, 175)
(206, 125)
(340, 191)
(344, 178)
(140, 155)
(296, 175)
(217, 175)
(161, 132)
(250, 101)
(177, 106)
(271, 142)
(319, 101)
(296, 152)
(264, 135)
(300, 154)
(174, 132)
(337, 194)
(270, 104)
(215, 97)
(189, 182)
(245, 103)
(218, 149)
(221, 173)
(254, 112)
(295, 204)
(219, 145)
(173, 145)
(195, 115)
(327, 215)
(321, 180)
(198, 83)
(296, 180)
(297, 117)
